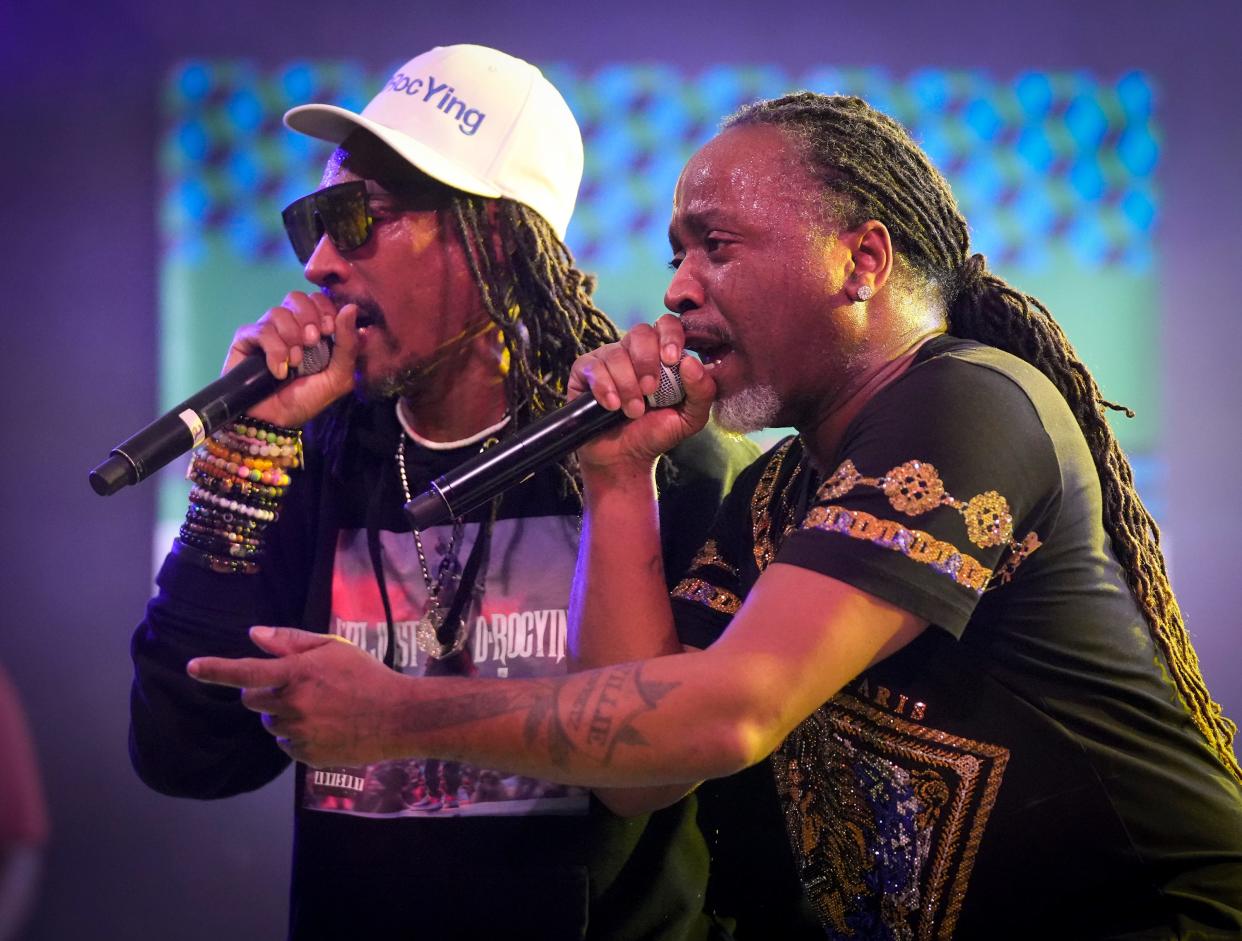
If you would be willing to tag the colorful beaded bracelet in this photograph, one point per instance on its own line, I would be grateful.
(239, 479)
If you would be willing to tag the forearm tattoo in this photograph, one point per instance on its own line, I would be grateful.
(586, 725)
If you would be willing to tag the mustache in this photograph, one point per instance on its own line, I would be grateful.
(706, 331)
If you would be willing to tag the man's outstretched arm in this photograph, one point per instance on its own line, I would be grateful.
(661, 721)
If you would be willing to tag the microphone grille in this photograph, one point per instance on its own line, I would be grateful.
(315, 358)
(670, 391)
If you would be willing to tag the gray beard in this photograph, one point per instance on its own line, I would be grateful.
(751, 409)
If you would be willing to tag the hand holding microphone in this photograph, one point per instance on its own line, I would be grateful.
(625, 380)
(261, 378)
(621, 374)
(283, 336)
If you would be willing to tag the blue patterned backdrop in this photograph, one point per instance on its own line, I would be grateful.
(1055, 171)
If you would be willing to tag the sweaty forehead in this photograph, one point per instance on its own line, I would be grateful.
(363, 156)
(337, 169)
(751, 170)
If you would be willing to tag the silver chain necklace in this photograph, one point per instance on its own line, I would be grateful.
(443, 587)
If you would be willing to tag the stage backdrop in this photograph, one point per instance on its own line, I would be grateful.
(1055, 171)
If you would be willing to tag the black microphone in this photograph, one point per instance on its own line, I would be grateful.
(246, 384)
(539, 444)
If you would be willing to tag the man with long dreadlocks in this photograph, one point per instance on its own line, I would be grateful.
(935, 625)
(457, 312)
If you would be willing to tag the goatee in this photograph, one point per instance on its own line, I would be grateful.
(752, 409)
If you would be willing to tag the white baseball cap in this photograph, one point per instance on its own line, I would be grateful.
(475, 119)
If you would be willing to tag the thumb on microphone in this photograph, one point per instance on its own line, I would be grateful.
(297, 402)
(345, 344)
(700, 390)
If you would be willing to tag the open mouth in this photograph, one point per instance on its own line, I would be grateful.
(710, 350)
(369, 315)
(369, 321)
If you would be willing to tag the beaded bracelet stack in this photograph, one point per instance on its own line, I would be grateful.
(239, 474)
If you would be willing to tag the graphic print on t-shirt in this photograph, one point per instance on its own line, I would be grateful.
(885, 814)
(517, 629)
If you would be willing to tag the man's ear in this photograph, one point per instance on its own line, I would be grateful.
(871, 257)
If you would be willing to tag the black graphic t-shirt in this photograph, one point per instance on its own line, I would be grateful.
(514, 626)
(1024, 767)
(422, 848)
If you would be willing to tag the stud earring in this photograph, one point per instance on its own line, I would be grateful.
(864, 292)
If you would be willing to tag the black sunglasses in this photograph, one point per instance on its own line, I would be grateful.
(341, 211)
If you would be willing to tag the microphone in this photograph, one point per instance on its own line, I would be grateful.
(539, 444)
(188, 424)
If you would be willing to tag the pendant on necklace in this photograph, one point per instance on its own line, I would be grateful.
(426, 634)
(426, 629)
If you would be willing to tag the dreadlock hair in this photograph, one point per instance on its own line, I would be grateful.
(870, 168)
(533, 292)
(536, 296)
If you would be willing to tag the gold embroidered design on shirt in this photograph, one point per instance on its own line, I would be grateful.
(1004, 574)
(914, 488)
(913, 543)
(761, 504)
(763, 542)
(700, 591)
(705, 593)
(988, 520)
(709, 556)
(848, 760)
(844, 479)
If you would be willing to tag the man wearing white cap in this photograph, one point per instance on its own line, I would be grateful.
(435, 240)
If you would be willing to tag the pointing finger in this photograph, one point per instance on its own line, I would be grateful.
(240, 674)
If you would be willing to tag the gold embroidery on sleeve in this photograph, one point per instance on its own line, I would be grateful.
(844, 479)
(915, 488)
(913, 543)
(705, 593)
(709, 557)
(1018, 553)
(988, 520)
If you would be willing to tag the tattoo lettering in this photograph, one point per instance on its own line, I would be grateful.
(619, 700)
(580, 701)
(600, 717)
(605, 706)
